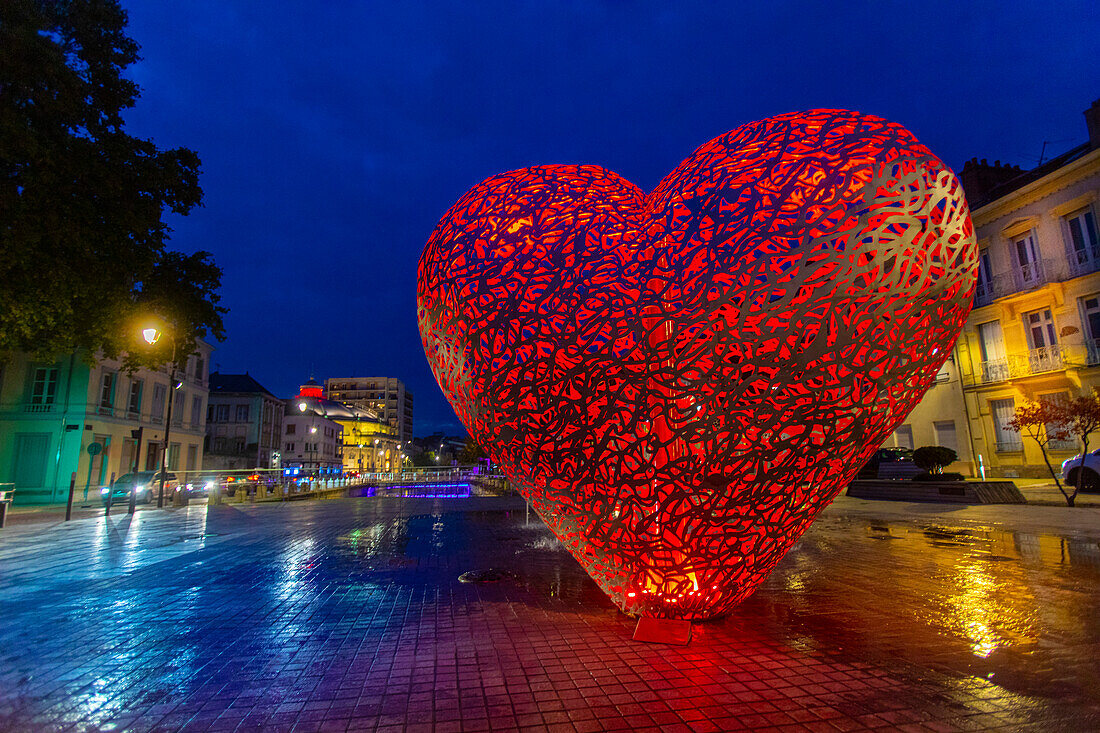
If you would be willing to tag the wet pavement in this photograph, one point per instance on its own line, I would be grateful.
(349, 615)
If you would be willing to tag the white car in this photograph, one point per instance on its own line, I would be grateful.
(1090, 481)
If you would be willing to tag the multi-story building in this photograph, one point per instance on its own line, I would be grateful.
(364, 442)
(386, 396)
(64, 417)
(244, 424)
(1034, 333)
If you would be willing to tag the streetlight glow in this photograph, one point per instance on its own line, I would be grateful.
(151, 335)
(302, 406)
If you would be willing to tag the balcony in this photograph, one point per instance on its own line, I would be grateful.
(1035, 361)
(105, 410)
(1026, 277)
(1092, 351)
(38, 408)
(1084, 261)
(1064, 445)
(1009, 444)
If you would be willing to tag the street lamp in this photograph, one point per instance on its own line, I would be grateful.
(153, 334)
(313, 445)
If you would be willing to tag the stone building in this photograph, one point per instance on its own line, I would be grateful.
(244, 424)
(385, 396)
(1034, 332)
(60, 417)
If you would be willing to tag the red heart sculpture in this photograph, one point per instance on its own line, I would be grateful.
(680, 382)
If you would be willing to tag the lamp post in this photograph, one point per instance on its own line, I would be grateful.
(312, 446)
(152, 335)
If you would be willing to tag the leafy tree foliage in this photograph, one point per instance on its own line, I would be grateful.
(1044, 422)
(82, 234)
(471, 453)
(933, 458)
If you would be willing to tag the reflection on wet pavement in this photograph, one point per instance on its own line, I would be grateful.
(349, 615)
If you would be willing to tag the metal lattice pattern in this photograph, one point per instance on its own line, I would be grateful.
(679, 382)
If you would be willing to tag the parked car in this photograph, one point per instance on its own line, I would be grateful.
(202, 486)
(889, 463)
(144, 484)
(1090, 480)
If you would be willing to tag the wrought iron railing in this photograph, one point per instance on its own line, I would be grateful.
(1092, 351)
(1067, 445)
(1084, 261)
(1025, 277)
(1009, 445)
(1035, 361)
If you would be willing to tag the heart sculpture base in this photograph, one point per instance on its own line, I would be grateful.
(679, 382)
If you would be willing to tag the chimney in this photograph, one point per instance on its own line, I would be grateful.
(1092, 122)
(979, 179)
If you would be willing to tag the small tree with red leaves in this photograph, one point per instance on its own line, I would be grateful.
(1082, 418)
(1044, 422)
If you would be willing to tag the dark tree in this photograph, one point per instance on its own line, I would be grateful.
(934, 458)
(82, 203)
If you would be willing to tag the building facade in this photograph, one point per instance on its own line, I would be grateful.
(312, 441)
(369, 444)
(1034, 332)
(385, 396)
(244, 424)
(64, 417)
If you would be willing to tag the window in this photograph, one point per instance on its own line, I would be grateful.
(174, 457)
(1040, 329)
(159, 393)
(192, 457)
(177, 409)
(219, 444)
(107, 391)
(242, 413)
(1082, 239)
(1006, 438)
(44, 386)
(289, 447)
(994, 366)
(239, 445)
(200, 368)
(1042, 339)
(221, 413)
(196, 411)
(290, 428)
(134, 403)
(945, 434)
(1027, 260)
(903, 437)
(1066, 443)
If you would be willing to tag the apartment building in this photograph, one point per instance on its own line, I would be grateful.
(64, 417)
(385, 396)
(244, 424)
(1034, 332)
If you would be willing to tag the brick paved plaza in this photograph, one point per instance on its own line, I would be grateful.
(348, 615)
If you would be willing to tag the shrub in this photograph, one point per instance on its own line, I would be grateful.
(933, 458)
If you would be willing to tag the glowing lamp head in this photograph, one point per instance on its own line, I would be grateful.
(313, 428)
(151, 335)
(302, 406)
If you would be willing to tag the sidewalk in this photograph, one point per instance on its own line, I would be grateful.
(1043, 492)
(348, 615)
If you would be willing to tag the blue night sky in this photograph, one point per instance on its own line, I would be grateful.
(334, 135)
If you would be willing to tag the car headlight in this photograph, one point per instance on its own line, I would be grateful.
(104, 490)
(139, 489)
(209, 485)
